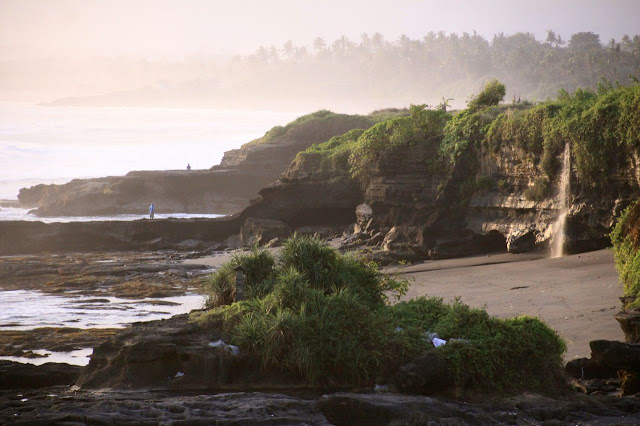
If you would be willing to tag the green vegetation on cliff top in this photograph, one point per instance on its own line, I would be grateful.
(303, 126)
(325, 317)
(602, 128)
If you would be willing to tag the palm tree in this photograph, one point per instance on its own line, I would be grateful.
(288, 49)
(377, 40)
(262, 55)
(273, 54)
(551, 38)
(445, 103)
(319, 44)
(365, 41)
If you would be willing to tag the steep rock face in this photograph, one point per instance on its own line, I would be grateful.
(504, 206)
(485, 195)
(225, 189)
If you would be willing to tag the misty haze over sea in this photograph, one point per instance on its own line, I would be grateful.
(56, 144)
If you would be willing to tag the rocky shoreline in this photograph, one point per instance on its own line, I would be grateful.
(57, 406)
(153, 372)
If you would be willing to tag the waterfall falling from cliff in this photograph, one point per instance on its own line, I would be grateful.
(557, 244)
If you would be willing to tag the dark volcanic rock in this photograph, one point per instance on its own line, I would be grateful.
(154, 408)
(630, 382)
(475, 244)
(256, 230)
(392, 409)
(614, 354)
(177, 191)
(522, 241)
(406, 240)
(586, 368)
(175, 354)
(23, 237)
(426, 375)
(630, 324)
(15, 375)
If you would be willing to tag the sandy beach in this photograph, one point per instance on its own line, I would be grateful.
(576, 295)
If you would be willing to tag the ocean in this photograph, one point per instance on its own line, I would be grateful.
(41, 144)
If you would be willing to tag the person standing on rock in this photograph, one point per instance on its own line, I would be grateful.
(151, 208)
(188, 166)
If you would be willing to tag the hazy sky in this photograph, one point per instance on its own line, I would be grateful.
(156, 28)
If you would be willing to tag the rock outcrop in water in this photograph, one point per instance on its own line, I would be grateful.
(23, 237)
(225, 189)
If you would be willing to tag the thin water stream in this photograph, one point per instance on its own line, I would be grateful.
(557, 244)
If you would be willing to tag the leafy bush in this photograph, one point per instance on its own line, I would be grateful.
(626, 240)
(492, 94)
(492, 354)
(259, 275)
(540, 191)
(465, 130)
(319, 319)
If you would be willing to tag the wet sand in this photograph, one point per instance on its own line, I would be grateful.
(575, 295)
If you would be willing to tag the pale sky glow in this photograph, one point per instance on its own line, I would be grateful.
(159, 28)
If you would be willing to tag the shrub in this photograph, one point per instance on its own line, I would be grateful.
(493, 354)
(540, 191)
(319, 318)
(626, 240)
(259, 275)
(492, 94)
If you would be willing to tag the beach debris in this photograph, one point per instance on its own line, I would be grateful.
(438, 342)
(179, 374)
(434, 338)
(233, 350)
(381, 388)
(398, 329)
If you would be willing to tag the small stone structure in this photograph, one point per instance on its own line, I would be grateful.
(239, 283)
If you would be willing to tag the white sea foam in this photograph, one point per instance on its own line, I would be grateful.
(12, 213)
(26, 310)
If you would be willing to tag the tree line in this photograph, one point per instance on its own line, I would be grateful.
(440, 64)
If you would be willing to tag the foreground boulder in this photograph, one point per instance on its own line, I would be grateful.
(175, 354)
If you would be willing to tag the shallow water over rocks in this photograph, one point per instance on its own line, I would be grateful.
(25, 310)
